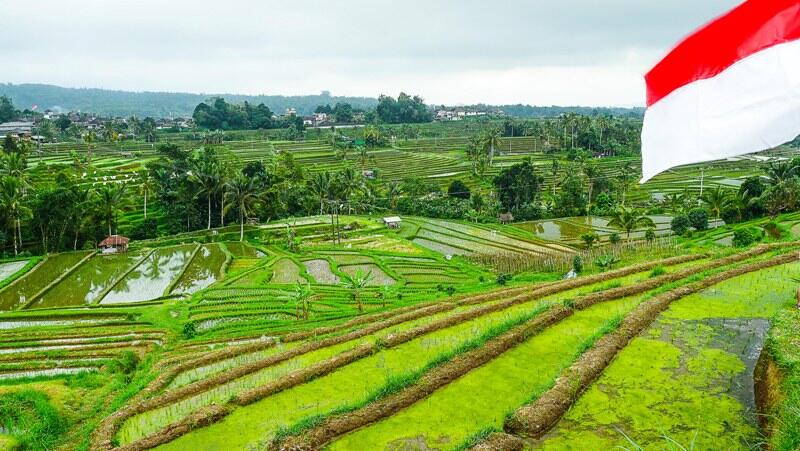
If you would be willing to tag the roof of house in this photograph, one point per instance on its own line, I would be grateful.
(114, 240)
(392, 219)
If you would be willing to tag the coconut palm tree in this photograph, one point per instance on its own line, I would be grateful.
(82, 199)
(717, 200)
(625, 178)
(780, 172)
(364, 158)
(205, 174)
(629, 220)
(89, 138)
(320, 185)
(109, 201)
(356, 284)
(393, 191)
(241, 194)
(146, 186)
(11, 202)
(590, 171)
(489, 141)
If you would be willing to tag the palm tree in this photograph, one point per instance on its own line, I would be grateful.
(89, 139)
(11, 201)
(109, 201)
(780, 172)
(629, 220)
(555, 166)
(320, 185)
(674, 202)
(625, 178)
(590, 171)
(146, 186)
(489, 141)
(356, 284)
(241, 194)
(364, 158)
(205, 174)
(717, 200)
(81, 198)
(393, 191)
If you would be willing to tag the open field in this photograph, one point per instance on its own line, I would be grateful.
(437, 354)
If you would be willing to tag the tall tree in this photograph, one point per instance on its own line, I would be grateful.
(242, 195)
(490, 140)
(109, 201)
(11, 201)
(716, 200)
(146, 187)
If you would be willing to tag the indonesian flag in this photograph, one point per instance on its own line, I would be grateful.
(732, 87)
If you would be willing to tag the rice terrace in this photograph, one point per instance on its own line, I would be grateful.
(362, 272)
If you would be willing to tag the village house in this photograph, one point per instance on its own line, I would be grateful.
(18, 128)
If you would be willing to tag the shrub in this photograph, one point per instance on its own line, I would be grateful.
(189, 330)
(614, 238)
(730, 215)
(458, 189)
(606, 261)
(503, 278)
(590, 238)
(577, 264)
(125, 364)
(698, 218)
(658, 271)
(650, 234)
(746, 236)
(680, 224)
(451, 290)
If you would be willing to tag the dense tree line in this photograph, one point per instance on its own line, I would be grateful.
(159, 104)
(403, 110)
(218, 114)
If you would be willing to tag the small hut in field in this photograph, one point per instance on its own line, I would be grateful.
(392, 222)
(114, 244)
(505, 218)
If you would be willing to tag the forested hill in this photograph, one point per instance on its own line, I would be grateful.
(157, 104)
(175, 104)
(530, 111)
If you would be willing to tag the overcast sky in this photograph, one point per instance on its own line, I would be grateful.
(565, 52)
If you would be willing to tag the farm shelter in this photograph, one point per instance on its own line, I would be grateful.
(392, 222)
(114, 244)
(505, 218)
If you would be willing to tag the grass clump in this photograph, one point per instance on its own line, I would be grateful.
(29, 417)
(658, 271)
(783, 345)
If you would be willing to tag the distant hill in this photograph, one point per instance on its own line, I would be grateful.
(529, 111)
(156, 104)
(177, 104)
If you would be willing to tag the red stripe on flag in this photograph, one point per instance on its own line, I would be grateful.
(753, 26)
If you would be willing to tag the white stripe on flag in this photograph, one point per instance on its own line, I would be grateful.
(752, 106)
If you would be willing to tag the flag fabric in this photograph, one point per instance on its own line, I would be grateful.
(730, 88)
